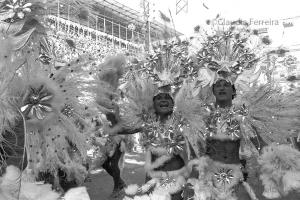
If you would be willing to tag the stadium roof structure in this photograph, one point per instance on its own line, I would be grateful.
(120, 13)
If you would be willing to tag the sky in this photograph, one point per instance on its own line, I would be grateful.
(260, 14)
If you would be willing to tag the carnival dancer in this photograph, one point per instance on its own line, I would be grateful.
(149, 108)
(259, 113)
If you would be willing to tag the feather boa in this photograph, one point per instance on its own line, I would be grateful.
(280, 170)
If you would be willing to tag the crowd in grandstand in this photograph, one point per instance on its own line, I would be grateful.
(69, 46)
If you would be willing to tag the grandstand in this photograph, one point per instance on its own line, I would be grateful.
(118, 24)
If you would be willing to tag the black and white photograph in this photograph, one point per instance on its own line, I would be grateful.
(149, 100)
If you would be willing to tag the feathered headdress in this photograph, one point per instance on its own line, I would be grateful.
(169, 64)
(231, 55)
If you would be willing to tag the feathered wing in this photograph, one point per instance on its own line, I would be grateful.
(72, 79)
(50, 134)
(192, 108)
(31, 93)
(49, 105)
(271, 114)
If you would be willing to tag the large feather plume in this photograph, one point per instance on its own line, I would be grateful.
(50, 134)
(271, 114)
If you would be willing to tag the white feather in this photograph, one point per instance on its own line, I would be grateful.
(79, 193)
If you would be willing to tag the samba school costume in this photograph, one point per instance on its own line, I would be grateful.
(259, 115)
(43, 101)
(149, 108)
